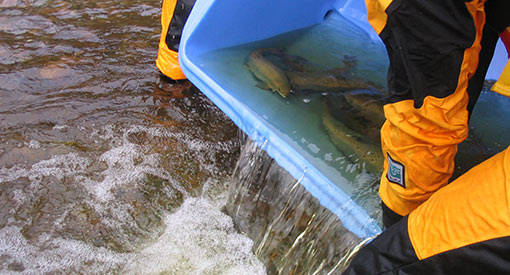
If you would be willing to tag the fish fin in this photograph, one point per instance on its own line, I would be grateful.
(284, 95)
(263, 86)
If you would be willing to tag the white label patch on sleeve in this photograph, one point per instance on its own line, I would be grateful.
(396, 172)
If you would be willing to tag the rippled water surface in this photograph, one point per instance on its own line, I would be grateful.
(104, 168)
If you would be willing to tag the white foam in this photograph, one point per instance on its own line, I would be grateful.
(121, 169)
(56, 254)
(363, 177)
(34, 144)
(199, 239)
(328, 156)
(62, 128)
(314, 148)
(127, 163)
(58, 166)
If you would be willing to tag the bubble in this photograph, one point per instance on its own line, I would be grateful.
(62, 128)
(34, 144)
(314, 148)
(198, 239)
(58, 255)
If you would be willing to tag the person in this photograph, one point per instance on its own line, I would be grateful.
(439, 52)
(173, 17)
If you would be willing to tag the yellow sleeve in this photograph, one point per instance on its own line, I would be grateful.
(502, 86)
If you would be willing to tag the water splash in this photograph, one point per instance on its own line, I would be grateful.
(198, 239)
(123, 209)
(292, 232)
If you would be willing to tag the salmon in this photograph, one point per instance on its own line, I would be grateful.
(369, 104)
(339, 121)
(271, 77)
(335, 80)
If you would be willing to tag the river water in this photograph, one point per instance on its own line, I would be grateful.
(104, 168)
